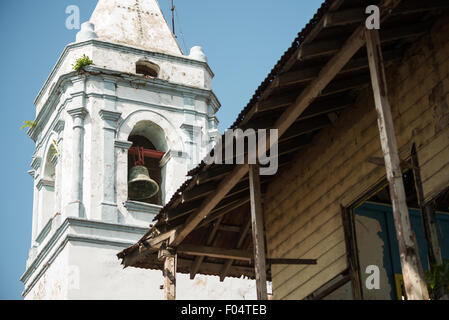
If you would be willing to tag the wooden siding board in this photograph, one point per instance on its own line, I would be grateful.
(291, 283)
(316, 281)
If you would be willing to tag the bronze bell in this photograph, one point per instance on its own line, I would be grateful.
(140, 185)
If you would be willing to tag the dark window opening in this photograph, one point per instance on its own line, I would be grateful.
(147, 68)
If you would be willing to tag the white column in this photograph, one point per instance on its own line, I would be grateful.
(108, 205)
(75, 207)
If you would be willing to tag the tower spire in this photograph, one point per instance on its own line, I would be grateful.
(138, 23)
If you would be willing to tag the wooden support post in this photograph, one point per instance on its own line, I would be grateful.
(170, 261)
(258, 232)
(415, 286)
(351, 253)
(427, 214)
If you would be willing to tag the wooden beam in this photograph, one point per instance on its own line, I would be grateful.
(380, 162)
(230, 199)
(293, 145)
(199, 191)
(258, 232)
(229, 228)
(292, 261)
(276, 102)
(157, 241)
(332, 288)
(198, 260)
(330, 70)
(413, 274)
(243, 234)
(345, 84)
(215, 268)
(337, 86)
(352, 252)
(169, 272)
(182, 209)
(214, 252)
(215, 173)
(210, 202)
(304, 127)
(219, 213)
(308, 74)
(427, 215)
(330, 47)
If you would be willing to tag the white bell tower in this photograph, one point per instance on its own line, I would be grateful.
(141, 91)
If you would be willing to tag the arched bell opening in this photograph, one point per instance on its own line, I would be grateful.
(47, 189)
(144, 173)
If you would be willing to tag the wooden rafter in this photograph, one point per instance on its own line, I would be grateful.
(214, 252)
(243, 234)
(198, 260)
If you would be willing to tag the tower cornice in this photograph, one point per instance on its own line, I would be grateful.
(78, 112)
(121, 77)
(120, 48)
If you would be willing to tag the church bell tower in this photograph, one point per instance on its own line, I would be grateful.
(138, 117)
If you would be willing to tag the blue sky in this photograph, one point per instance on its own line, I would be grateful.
(242, 39)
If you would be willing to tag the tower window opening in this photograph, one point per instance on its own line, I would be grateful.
(144, 172)
(147, 68)
(47, 190)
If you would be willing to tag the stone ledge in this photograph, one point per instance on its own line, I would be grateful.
(142, 207)
(45, 231)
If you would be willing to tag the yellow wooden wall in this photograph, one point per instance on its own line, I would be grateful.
(302, 206)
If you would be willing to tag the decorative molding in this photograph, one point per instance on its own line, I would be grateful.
(156, 85)
(123, 144)
(59, 127)
(108, 115)
(45, 183)
(119, 47)
(32, 173)
(44, 232)
(78, 113)
(36, 163)
(142, 207)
